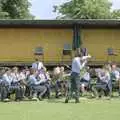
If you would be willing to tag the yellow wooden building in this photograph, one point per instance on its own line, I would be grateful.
(20, 38)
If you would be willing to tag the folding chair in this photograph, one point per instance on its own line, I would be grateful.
(67, 51)
(111, 54)
(39, 52)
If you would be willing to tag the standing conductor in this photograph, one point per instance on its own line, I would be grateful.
(77, 64)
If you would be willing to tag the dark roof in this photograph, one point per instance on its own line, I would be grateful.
(60, 23)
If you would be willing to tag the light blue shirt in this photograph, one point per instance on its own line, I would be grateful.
(7, 78)
(105, 77)
(33, 80)
(77, 65)
(116, 74)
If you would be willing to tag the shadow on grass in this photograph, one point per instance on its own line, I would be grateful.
(59, 100)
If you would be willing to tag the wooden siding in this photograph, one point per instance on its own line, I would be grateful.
(17, 44)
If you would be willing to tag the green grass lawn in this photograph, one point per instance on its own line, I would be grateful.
(57, 110)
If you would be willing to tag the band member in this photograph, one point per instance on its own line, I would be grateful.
(23, 81)
(103, 82)
(85, 80)
(59, 85)
(77, 64)
(84, 51)
(10, 86)
(56, 73)
(45, 79)
(5, 83)
(115, 75)
(37, 89)
(37, 65)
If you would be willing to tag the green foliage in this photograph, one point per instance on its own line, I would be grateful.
(86, 9)
(15, 9)
(116, 14)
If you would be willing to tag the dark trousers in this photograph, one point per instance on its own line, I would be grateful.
(7, 90)
(4, 92)
(74, 86)
(48, 87)
(106, 87)
(16, 88)
(85, 82)
(58, 86)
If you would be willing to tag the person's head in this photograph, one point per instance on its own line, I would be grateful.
(2, 71)
(23, 70)
(8, 71)
(93, 72)
(15, 69)
(36, 59)
(107, 67)
(105, 70)
(114, 66)
(62, 69)
(33, 71)
(98, 71)
(26, 68)
(58, 65)
(56, 71)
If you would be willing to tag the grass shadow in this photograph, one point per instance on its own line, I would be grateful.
(59, 101)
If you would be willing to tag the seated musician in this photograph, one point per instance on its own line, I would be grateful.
(44, 75)
(60, 83)
(56, 73)
(2, 71)
(115, 73)
(10, 86)
(115, 76)
(85, 80)
(23, 81)
(45, 79)
(19, 80)
(35, 84)
(104, 82)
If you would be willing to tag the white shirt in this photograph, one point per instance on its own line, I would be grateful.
(22, 76)
(105, 77)
(33, 80)
(37, 66)
(86, 76)
(44, 77)
(57, 71)
(76, 65)
(7, 78)
(16, 77)
(27, 73)
(116, 74)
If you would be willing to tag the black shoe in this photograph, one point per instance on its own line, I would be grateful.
(56, 96)
(49, 97)
(66, 100)
(17, 100)
(40, 98)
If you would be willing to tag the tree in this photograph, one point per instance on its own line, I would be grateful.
(15, 9)
(85, 9)
(116, 14)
